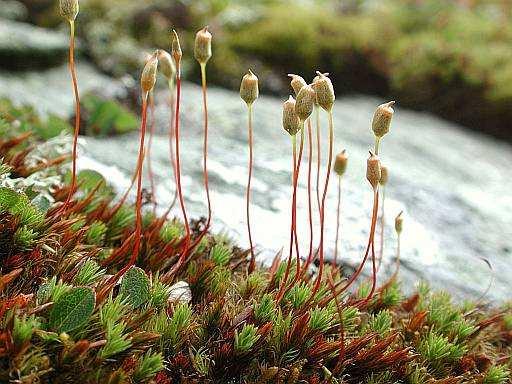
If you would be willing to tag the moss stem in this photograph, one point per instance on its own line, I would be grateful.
(252, 264)
(335, 259)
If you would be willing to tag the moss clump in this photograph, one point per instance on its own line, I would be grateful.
(210, 321)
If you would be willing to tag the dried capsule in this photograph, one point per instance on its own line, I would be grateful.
(176, 47)
(373, 170)
(148, 78)
(69, 9)
(203, 46)
(324, 91)
(166, 63)
(383, 175)
(399, 220)
(291, 122)
(340, 163)
(305, 102)
(249, 90)
(297, 83)
(382, 119)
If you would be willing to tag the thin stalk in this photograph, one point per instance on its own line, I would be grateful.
(178, 166)
(150, 144)
(310, 210)
(382, 225)
(252, 265)
(377, 145)
(205, 145)
(138, 205)
(318, 157)
(297, 172)
(335, 260)
(72, 70)
(283, 284)
(373, 224)
(205, 165)
(172, 156)
(322, 208)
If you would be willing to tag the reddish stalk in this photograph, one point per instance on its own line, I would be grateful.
(318, 159)
(252, 264)
(356, 274)
(310, 209)
(172, 157)
(294, 208)
(150, 144)
(335, 260)
(322, 208)
(138, 205)
(186, 243)
(382, 225)
(72, 70)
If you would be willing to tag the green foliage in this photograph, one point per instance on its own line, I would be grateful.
(437, 349)
(72, 310)
(497, 374)
(246, 338)
(160, 293)
(298, 295)
(88, 273)
(135, 286)
(171, 232)
(107, 117)
(117, 341)
(24, 237)
(149, 365)
(180, 321)
(264, 309)
(321, 319)
(96, 233)
(381, 322)
(24, 328)
(220, 254)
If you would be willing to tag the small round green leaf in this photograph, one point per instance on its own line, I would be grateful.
(135, 286)
(73, 309)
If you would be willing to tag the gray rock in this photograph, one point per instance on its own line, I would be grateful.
(49, 91)
(13, 10)
(26, 46)
(453, 185)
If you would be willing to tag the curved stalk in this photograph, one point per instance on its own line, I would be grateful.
(318, 159)
(150, 144)
(72, 70)
(382, 225)
(172, 156)
(322, 208)
(310, 210)
(205, 146)
(335, 260)
(252, 264)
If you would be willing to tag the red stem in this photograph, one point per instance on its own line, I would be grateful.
(252, 264)
(150, 144)
(335, 260)
(172, 157)
(318, 160)
(72, 70)
(322, 209)
(310, 209)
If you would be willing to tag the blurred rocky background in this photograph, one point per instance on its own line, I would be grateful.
(449, 160)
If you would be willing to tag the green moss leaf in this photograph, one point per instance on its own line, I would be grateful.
(135, 286)
(73, 309)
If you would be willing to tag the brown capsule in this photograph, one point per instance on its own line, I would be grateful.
(176, 47)
(373, 170)
(297, 83)
(148, 77)
(69, 9)
(249, 90)
(340, 163)
(383, 175)
(203, 46)
(305, 102)
(324, 91)
(166, 63)
(399, 221)
(382, 119)
(291, 122)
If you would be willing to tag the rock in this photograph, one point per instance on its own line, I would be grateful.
(452, 184)
(49, 91)
(13, 10)
(25, 46)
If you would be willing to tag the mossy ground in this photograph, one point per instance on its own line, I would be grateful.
(208, 322)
